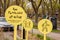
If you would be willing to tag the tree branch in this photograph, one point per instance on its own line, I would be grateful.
(39, 4)
(33, 5)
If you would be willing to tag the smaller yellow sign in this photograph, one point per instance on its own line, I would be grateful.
(28, 25)
(45, 26)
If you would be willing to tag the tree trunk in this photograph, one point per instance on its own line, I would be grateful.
(8, 3)
(17, 2)
(0, 8)
(35, 7)
(4, 7)
(59, 10)
(36, 17)
(51, 7)
(43, 8)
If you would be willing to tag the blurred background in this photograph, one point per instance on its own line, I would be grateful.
(35, 10)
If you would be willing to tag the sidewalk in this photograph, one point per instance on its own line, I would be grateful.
(55, 36)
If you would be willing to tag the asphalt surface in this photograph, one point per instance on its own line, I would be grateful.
(55, 36)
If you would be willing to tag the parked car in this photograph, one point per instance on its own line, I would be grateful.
(5, 25)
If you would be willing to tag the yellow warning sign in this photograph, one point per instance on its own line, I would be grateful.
(15, 15)
(28, 25)
(45, 26)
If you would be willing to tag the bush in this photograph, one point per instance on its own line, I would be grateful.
(42, 37)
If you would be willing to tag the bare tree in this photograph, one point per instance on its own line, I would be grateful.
(5, 5)
(35, 7)
(17, 2)
(59, 10)
(0, 8)
(43, 7)
(51, 7)
(59, 6)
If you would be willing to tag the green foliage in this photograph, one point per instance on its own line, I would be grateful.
(39, 36)
(6, 39)
(34, 26)
(42, 37)
(56, 31)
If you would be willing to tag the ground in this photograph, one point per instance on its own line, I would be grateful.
(9, 36)
(54, 36)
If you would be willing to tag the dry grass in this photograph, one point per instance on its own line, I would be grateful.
(9, 35)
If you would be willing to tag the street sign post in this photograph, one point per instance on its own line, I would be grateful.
(28, 25)
(15, 15)
(45, 27)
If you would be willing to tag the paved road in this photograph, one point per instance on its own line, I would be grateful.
(55, 36)
(58, 28)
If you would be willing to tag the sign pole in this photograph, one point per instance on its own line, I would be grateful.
(15, 32)
(27, 35)
(44, 36)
